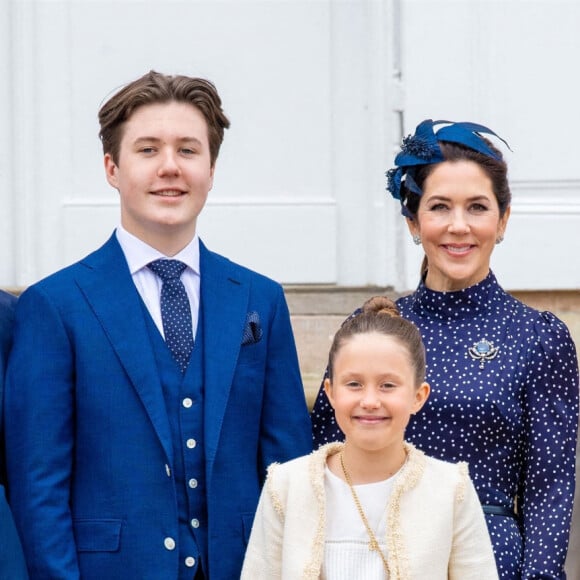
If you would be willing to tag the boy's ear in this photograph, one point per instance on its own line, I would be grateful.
(111, 171)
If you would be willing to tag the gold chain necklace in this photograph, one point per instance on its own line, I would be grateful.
(373, 543)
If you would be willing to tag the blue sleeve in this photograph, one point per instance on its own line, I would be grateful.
(547, 485)
(12, 565)
(11, 557)
(286, 431)
(39, 426)
(7, 304)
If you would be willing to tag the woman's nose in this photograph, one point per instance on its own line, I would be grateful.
(458, 222)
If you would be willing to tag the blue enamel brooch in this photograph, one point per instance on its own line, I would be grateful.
(483, 351)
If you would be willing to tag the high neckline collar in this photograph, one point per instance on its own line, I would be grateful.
(459, 304)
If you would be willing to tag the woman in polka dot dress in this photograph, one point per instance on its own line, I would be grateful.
(504, 376)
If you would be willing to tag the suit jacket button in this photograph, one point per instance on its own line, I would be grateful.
(169, 543)
(187, 402)
(167, 470)
(190, 561)
(195, 523)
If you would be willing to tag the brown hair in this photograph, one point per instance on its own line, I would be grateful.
(153, 88)
(381, 315)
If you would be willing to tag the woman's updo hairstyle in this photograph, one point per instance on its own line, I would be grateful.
(380, 315)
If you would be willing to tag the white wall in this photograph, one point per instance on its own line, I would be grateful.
(312, 89)
(509, 64)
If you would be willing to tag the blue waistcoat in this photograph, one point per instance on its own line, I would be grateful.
(184, 396)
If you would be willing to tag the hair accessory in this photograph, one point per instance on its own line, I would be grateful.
(483, 351)
(499, 239)
(422, 148)
(417, 240)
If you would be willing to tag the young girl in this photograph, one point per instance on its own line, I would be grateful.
(373, 507)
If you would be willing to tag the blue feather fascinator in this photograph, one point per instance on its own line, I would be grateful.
(422, 148)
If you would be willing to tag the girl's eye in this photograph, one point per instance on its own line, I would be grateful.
(388, 386)
(353, 384)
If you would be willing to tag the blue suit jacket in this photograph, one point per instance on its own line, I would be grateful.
(11, 558)
(90, 453)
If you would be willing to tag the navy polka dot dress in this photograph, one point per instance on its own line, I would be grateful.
(504, 380)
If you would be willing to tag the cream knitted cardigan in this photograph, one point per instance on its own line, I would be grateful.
(435, 525)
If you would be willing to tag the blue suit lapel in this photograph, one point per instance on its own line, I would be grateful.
(224, 304)
(109, 289)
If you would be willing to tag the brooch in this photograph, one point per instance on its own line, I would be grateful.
(483, 351)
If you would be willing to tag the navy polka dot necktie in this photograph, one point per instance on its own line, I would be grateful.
(175, 310)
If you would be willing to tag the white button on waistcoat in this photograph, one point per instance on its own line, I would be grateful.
(187, 402)
(195, 523)
(169, 543)
(191, 443)
(167, 470)
(193, 483)
(190, 561)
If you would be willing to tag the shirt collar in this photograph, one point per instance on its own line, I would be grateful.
(138, 254)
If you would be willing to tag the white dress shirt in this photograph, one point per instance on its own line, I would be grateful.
(138, 254)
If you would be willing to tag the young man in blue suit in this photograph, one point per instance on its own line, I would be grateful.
(134, 451)
(11, 558)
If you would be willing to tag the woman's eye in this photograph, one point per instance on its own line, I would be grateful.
(438, 207)
(478, 207)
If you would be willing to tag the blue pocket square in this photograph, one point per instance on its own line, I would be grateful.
(252, 329)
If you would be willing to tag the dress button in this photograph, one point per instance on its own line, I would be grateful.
(190, 561)
(187, 402)
(191, 443)
(169, 543)
(195, 523)
(193, 483)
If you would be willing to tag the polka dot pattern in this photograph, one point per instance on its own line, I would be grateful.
(514, 420)
(175, 310)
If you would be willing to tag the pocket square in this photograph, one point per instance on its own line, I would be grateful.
(252, 329)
